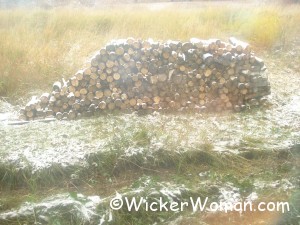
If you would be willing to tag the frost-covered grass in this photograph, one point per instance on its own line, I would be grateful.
(256, 151)
(116, 141)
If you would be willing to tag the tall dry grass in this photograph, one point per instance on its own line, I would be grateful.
(40, 46)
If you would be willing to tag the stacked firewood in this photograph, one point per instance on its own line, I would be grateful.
(199, 75)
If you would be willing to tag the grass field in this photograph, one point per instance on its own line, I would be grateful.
(38, 47)
(66, 172)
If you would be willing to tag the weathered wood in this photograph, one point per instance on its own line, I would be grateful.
(201, 75)
(240, 45)
(71, 115)
(45, 98)
(79, 75)
(132, 102)
(102, 105)
(57, 86)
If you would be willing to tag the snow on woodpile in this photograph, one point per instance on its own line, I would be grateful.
(129, 74)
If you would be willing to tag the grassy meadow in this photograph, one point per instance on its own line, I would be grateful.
(39, 46)
(57, 172)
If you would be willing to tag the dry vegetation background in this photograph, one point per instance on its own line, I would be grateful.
(255, 151)
(39, 46)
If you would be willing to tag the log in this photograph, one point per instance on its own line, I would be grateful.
(71, 115)
(132, 102)
(87, 71)
(59, 116)
(56, 86)
(240, 45)
(156, 99)
(208, 58)
(102, 105)
(74, 82)
(45, 98)
(79, 75)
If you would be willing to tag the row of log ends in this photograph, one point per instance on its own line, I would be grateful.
(129, 74)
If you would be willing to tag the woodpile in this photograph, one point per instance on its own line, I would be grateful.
(199, 75)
